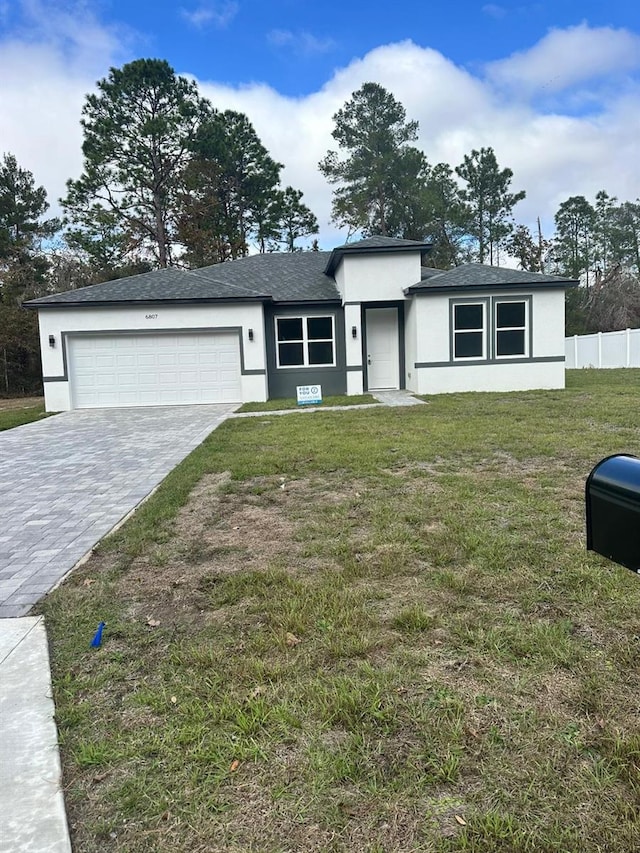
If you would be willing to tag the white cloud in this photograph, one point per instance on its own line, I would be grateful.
(552, 156)
(47, 66)
(566, 58)
(45, 73)
(301, 43)
(218, 15)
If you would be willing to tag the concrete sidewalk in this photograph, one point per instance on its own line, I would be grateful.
(32, 814)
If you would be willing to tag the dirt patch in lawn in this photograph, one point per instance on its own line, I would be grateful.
(226, 529)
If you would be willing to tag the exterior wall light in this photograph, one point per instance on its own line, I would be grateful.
(250, 334)
(52, 341)
(354, 331)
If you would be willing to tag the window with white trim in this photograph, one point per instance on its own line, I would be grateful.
(469, 330)
(511, 338)
(305, 342)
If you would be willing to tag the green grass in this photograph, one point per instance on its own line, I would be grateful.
(14, 413)
(327, 403)
(378, 630)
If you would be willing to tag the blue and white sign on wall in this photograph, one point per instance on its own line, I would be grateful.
(309, 395)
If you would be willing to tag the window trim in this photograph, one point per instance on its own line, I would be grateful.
(484, 303)
(526, 328)
(490, 328)
(305, 341)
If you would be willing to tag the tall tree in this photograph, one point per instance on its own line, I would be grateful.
(22, 206)
(230, 195)
(627, 234)
(604, 236)
(250, 180)
(446, 217)
(295, 219)
(490, 202)
(429, 208)
(373, 132)
(23, 270)
(573, 244)
(530, 251)
(138, 133)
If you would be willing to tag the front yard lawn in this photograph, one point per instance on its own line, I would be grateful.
(375, 630)
(21, 410)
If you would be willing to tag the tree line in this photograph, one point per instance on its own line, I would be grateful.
(386, 185)
(169, 180)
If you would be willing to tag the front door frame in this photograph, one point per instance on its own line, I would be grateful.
(399, 305)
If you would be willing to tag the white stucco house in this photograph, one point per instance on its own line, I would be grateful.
(368, 315)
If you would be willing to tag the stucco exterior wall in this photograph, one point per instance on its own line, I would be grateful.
(154, 318)
(377, 277)
(411, 340)
(491, 377)
(436, 373)
(339, 279)
(355, 374)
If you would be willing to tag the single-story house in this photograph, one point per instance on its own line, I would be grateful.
(368, 315)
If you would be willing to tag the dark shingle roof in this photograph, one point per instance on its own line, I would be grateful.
(481, 275)
(380, 242)
(293, 277)
(373, 245)
(428, 272)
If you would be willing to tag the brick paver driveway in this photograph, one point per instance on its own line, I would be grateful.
(67, 480)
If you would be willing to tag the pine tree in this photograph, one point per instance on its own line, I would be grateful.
(372, 130)
(489, 200)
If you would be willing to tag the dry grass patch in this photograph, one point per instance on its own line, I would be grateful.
(16, 411)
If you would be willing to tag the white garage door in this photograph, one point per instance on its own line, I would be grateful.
(154, 370)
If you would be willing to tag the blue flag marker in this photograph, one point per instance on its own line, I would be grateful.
(97, 637)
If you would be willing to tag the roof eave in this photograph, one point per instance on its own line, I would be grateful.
(523, 285)
(309, 300)
(111, 303)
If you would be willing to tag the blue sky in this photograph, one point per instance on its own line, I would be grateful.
(294, 46)
(554, 87)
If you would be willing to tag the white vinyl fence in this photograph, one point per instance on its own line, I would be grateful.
(604, 349)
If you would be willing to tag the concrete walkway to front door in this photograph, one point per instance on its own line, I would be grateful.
(66, 481)
(397, 398)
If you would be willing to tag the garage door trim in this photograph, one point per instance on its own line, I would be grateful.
(217, 334)
(64, 343)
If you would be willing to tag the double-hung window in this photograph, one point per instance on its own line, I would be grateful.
(469, 330)
(305, 342)
(511, 337)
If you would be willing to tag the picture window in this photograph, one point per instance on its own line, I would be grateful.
(305, 341)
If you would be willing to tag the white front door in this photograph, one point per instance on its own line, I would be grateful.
(383, 355)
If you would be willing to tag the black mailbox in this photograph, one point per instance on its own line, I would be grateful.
(612, 497)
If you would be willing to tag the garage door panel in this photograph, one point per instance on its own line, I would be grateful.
(167, 359)
(126, 360)
(188, 358)
(158, 369)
